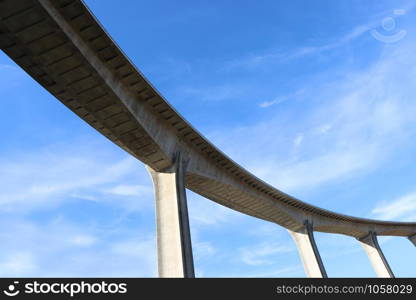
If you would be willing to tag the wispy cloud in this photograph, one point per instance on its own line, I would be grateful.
(19, 263)
(262, 254)
(59, 247)
(352, 126)
(281, 99)
(349, 126)
(331, 43)
(256, 60)
(205, 213)
(130, 190)
(46, 177)
(402, 208)
(203, 250)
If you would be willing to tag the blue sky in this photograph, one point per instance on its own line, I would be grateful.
(316, 98)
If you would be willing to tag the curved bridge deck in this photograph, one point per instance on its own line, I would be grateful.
(65, 49)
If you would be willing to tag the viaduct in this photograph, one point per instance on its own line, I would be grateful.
(62, 46)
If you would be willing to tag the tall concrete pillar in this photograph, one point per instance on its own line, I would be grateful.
(174, 245)
(412, 238)
(308, 251)
(376, 256)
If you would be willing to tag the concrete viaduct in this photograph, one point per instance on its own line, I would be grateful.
(62, 46)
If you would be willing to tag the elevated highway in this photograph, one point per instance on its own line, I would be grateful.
(62, 46)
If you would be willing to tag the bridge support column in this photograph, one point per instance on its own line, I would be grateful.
(376, 256)
(308, 251)
(174, 245)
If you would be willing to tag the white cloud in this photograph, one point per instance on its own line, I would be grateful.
(37, 185)
(17, 264)
(266, 104)
(402, 208)
(83, 240)
(267, 59)
(203, 250)
(203, 212)
(282, 99)
(257, 60)
(298, 140)
(60, 247)
(349, 127)
(47, 177)
(261, 254)
(130, 190)
(137, 249)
